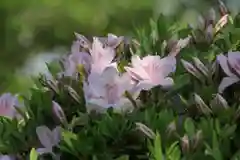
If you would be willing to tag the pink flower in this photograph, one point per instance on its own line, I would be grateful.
(231, 66)
(96, 61)
(48, 138)
(101, 57)
(152, 71)
(8, 102)
(107, 90)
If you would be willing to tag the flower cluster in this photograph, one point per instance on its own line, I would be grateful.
(104, 85)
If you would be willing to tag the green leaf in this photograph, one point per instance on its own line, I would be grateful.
(189, 127)
(228, 131)
(68, 139)
(33, 154)
(158, 155)
(173, 152)
(125, 157)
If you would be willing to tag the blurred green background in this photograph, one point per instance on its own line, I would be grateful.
(37, 31)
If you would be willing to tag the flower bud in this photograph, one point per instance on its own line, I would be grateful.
(191, 69)
(223, 8)
(171, 128)
(180, 44)
(84, 42)
(185, 144)
(219, 101)
(221, 23)
(209, 33)
(213, 67)
(147, 131)
(58, 112)
(73, 93)
(200, 66)
(201, 104)
(197, 138)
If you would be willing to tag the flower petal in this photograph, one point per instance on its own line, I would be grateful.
(224, 65)
(145, 85)
(57, 111)
(167, 65)
(56, 135)
(167, 82)
(234, 61)
(136, 74)
(43, 150)
(109, 75)
(226, 82)
(136, 61)
(45, 136)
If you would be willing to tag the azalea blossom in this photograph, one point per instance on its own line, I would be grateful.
(107, 90)
(8, 102)
(231, 66)
(151, 71)
(102, 57)
(98, 58)
(48, 138)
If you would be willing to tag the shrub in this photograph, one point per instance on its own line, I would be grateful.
(170, 93)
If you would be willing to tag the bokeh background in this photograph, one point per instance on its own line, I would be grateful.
(33, 32)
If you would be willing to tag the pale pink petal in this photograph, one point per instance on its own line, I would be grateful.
(43, 150)
(224, 65)
(56, 135)
(70, 68)
(81, 58)
(109, 75)
(136, 61)
(92, 91)
(112, 94)
(8, 102)
(125, 83)
(167, 82)
(145, 85)
(137, 73)
(45, 136)
(98, 53)
(234, 61)
(75, 48)
(167, 65)
(113, 40)
(150, 60)
(226, 82)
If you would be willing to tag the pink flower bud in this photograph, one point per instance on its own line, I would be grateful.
(58, 112)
